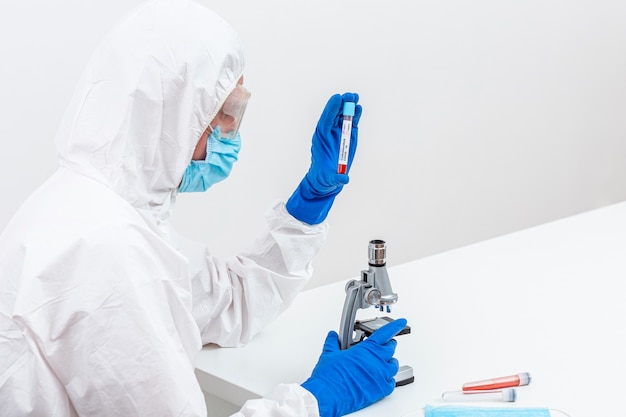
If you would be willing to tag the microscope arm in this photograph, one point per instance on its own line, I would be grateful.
(348, 315)
(359, 294)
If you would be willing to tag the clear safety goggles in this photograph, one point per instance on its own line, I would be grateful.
(230, 115)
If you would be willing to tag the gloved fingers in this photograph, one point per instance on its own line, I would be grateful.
(357, 116)
(389, 371)
(392, 367)
(334, 109)
(383, 353)
(325, 183)
(353, 145)
(341, 179)
(391, 345)
(389, 388)
(354, 138)
(331, 113)
(331, 344)
(351, 97)
(387, 332)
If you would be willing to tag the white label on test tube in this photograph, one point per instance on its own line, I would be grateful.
(346, 132)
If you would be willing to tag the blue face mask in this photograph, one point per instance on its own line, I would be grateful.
(221, 154)
(462, 411)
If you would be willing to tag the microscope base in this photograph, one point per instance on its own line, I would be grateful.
(404, 376)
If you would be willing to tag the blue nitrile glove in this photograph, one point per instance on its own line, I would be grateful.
(313, 198)
(345, 381)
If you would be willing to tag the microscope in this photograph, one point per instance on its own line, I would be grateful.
(373, 289)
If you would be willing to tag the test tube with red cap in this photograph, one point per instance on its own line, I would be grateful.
(346, 132)
(497, 383)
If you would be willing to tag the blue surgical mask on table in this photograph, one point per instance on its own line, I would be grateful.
(220, 156)
(463, 411)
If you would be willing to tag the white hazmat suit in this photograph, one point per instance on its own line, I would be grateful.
(103, 308)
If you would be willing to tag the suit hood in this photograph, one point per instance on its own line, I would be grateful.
(146, 96)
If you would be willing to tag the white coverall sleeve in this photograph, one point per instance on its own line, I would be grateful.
(286, 400)
(235, 298)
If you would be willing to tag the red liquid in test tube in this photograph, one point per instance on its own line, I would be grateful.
(497, 383)
(346, 132)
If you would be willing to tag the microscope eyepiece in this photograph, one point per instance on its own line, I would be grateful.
(377, 251)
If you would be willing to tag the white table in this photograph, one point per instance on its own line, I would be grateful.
(549, 300)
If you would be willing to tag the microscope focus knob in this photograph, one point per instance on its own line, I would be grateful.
(373, 296)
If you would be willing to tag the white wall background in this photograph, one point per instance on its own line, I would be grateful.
(480, 118)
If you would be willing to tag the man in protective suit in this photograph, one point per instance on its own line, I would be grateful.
(103, 307)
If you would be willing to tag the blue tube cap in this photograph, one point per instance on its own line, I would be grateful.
(348, 108)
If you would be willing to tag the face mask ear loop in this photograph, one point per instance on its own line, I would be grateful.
(209, 144)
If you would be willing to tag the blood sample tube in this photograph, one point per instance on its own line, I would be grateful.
(346, 132)
(500, 382)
